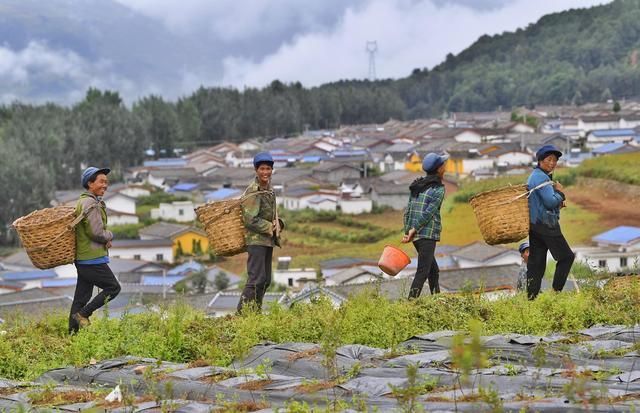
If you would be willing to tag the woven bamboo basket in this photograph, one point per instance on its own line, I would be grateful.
(48, 235)
(224, 226)
(502, 214)
(223, 223)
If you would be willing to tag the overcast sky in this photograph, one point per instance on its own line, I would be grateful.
(322, 41)
(172, 47)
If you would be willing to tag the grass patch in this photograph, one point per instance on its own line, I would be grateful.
(621, 168)
(181, 334)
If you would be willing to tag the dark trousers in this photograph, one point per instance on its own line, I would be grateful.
(258, 276)
(539, 244)
(427, 268)
(98, 275)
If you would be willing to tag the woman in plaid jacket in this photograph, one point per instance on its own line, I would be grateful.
(422, 222)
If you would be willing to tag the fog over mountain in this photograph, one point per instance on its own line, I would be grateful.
(54, 50)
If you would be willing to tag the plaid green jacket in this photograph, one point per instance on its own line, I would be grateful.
(423, 214)
(258, 212)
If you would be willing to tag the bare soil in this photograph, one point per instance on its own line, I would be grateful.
(613, 208)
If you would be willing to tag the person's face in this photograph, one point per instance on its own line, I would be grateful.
(263, 173)
(441, 170)
(99, 186)
(549, 163)
(525, 255)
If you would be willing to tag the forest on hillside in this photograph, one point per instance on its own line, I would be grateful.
(571, 57)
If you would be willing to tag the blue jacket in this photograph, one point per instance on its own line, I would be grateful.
(544, 203)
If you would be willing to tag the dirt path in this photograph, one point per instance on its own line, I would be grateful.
(614, 208)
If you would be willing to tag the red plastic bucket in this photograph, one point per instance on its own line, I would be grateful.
(393, 260)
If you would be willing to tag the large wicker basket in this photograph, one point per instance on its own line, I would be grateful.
(223, 223)
(224, 226)
(502, 214)
(48, 235)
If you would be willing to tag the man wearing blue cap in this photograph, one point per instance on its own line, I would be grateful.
(263, 226)
(93, 241)
(422, 222)
(545, 235)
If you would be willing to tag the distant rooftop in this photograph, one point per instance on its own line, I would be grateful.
(619, 236)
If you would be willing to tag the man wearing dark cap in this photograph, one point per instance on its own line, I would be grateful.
(93, 241)
(545, 235)
(422, 223)
(263, 231)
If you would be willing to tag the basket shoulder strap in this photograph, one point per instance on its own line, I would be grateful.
(82, 215)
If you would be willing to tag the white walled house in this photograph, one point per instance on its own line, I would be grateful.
(616, 250)
(322, 203)
(120, 202)
(156, 250)
(515, 158)
(468, 135)
(293, 276)
(598, 138)
(354, 205)
(589, 123)
(180, 211)
(479, 254)
(134, 191)
(121, 218)
(298, 199)
(611, 260)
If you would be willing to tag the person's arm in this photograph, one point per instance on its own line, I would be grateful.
(550, 197)
(431, 204)
(97, 230)
(250, 210)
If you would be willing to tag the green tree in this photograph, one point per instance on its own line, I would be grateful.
(221, 281)
(616, 106)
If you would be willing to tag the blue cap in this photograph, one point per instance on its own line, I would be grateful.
(547, 150)
(523, 247)
(433, 161)
(89, 172)
(262, 157)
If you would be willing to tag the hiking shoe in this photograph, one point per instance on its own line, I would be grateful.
(81, 320)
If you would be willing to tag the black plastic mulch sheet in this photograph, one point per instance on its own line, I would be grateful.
(596, 369)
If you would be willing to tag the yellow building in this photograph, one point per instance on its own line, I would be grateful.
(186, 240)
(414, 163)
(454, 166)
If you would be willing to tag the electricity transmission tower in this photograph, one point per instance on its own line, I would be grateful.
(372, 48)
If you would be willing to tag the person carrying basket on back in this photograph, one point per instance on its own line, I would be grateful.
(263, 225)
(545, 201)
(93, 241)
(422, 222)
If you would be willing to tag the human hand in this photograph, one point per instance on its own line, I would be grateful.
(557, 186)
(408, 237)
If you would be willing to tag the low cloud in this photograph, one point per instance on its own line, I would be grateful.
(38, 73)
(409, 35)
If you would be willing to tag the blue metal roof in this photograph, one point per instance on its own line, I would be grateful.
(183, 187)
(604, 133)
(620, 235)
(347, 153)
(29, 275)
(185, 268)
(160, 280)
(166, 162)
(310, 158)
(220, 194)
(608, 147)
(59, 282)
